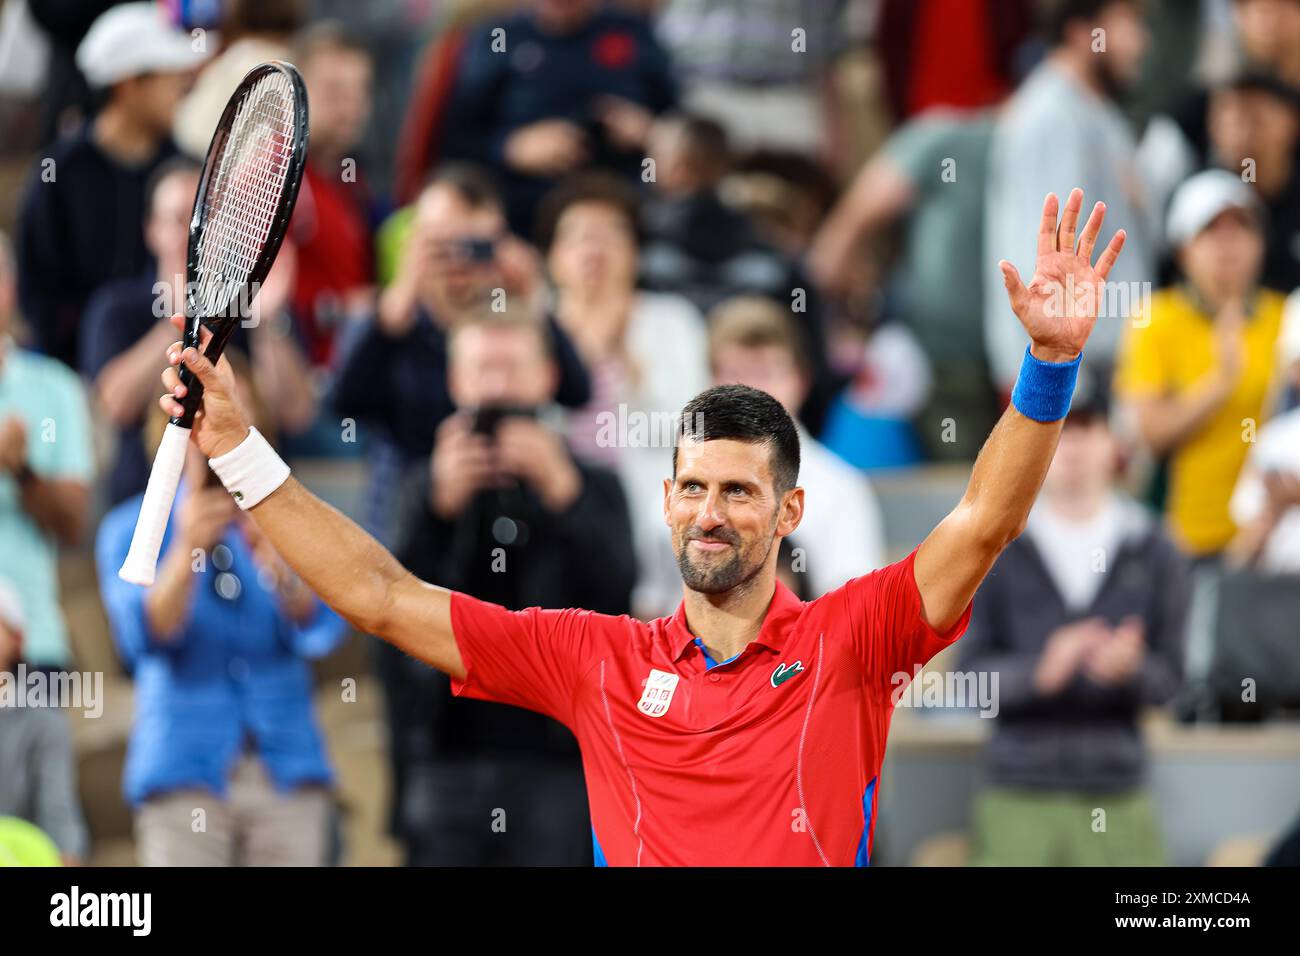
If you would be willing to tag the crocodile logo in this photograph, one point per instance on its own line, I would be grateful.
(784, 672)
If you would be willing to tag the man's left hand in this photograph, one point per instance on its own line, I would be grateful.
(1059, 307)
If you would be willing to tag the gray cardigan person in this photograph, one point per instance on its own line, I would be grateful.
(1082, 618)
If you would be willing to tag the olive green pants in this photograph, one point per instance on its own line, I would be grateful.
(1015, 827)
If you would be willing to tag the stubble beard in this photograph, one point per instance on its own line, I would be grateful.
(718, 577)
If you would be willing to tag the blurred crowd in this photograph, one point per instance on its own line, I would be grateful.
(529, 232)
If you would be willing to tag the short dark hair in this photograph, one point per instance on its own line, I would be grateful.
(741, 413)
(799, 172)
(1062, 13)
(707, 144)
(600, 187)
(1257, 79)
(474, 184)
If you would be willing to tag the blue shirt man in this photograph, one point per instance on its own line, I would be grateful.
(236, 676)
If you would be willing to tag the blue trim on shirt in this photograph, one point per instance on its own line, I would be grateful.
(597, 851)
(864, 858)
(709, 662)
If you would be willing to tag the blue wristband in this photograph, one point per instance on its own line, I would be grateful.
(1044, 389)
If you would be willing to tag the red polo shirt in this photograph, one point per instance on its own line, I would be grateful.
(769, 759)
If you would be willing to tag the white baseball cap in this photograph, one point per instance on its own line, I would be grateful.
(132, 39)
(1201, 198)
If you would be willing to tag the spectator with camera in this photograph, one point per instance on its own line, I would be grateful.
(506, 513)
(392, 375)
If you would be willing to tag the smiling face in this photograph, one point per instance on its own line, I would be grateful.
(725, 513)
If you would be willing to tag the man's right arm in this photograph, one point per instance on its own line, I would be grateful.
(350, 571)
(356, 576)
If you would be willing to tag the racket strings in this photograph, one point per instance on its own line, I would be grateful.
(244, 194)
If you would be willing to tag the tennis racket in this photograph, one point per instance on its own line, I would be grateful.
(246, 194)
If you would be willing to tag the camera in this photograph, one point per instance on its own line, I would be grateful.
(488, 417)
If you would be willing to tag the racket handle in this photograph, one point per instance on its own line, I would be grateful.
(142, 558)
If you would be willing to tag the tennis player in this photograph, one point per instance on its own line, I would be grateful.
(749, 727)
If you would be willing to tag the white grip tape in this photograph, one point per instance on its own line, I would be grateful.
(142, 559)
(251, 470)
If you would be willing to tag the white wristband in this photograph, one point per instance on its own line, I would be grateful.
(251, 470)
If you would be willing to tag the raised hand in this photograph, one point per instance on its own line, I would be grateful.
(1059, 306)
